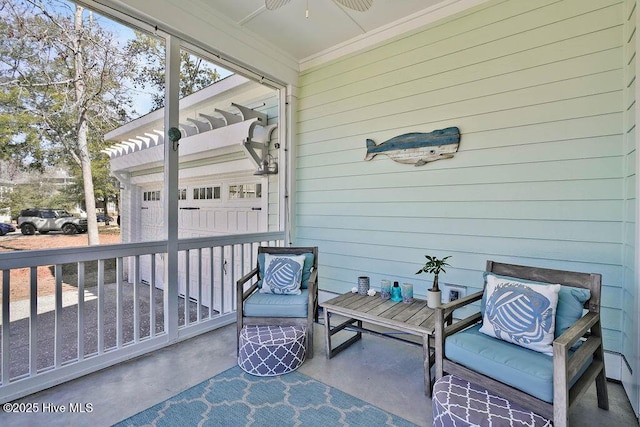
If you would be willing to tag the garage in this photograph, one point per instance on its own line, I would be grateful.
(228, 158)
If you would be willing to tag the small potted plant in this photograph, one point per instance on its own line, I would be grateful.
(434, 266)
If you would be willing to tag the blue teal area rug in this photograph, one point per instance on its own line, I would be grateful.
(235, 398)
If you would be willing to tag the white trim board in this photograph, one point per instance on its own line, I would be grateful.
(424, 17)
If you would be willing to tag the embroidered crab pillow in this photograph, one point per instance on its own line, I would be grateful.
(521, 313)
(282, 274)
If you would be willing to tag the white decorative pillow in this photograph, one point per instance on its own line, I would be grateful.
(521, 313)
(282, 274)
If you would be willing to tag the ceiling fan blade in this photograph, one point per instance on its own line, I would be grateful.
(274, 4)
(359, 5)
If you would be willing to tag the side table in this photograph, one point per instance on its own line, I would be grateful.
(414, 318)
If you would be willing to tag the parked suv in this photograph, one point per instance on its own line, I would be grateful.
(46, 220)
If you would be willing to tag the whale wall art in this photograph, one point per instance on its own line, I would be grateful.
(418, 148)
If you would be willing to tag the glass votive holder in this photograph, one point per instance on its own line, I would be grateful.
(385, 289)
(363, 285)
(407, 293)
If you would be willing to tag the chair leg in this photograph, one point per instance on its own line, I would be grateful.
(601, 379)
(560, 416)
(601, 390)
(438, 349)
(239, 329)
(309, 342)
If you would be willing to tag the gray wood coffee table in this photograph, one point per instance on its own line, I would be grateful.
(414, 318)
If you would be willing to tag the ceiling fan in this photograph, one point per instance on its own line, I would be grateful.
(359, 5)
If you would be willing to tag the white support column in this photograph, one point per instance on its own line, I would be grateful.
(288, 132)
(170, 200)
(129, 203)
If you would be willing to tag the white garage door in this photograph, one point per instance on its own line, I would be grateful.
(206, 210)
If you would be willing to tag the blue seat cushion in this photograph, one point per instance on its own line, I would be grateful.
(521, 368)
(274, 305)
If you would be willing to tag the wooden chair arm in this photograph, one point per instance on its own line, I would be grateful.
(462, 324)
(566, 367)
(445, 310)
(441, 330)
(312, 284)
(312, 287)
(244, 279)
(454, 305)
(576, 331)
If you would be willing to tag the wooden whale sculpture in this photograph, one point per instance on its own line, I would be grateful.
(418, 148)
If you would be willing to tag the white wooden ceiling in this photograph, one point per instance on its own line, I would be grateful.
(328, 26)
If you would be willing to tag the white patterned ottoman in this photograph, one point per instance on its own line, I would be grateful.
(457, 402)
(271, 350)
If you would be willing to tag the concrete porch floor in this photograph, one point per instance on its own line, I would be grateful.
(384, 372)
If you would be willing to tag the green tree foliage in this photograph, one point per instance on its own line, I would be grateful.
(148, 51)
(42, 194)
(18, 138)
(105, 185)
(64, 86)
(65, 83)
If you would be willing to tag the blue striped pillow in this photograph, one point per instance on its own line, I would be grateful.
(521, 313)
(306, 269)
(282, 274)
(571, 301)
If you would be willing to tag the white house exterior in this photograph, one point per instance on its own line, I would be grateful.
(219, 191)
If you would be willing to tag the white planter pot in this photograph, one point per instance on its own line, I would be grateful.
(434, 298)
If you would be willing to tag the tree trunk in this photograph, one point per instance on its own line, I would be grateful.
(82, 127)
(87, 180)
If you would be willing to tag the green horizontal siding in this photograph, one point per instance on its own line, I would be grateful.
(497, 30)
(537, 90)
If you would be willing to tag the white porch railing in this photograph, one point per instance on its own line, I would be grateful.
(114, 315)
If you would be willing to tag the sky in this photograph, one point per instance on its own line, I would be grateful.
(142, 101)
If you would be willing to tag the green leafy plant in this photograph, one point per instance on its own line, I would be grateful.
(434, 266)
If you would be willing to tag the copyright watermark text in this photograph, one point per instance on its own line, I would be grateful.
(46, 407)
